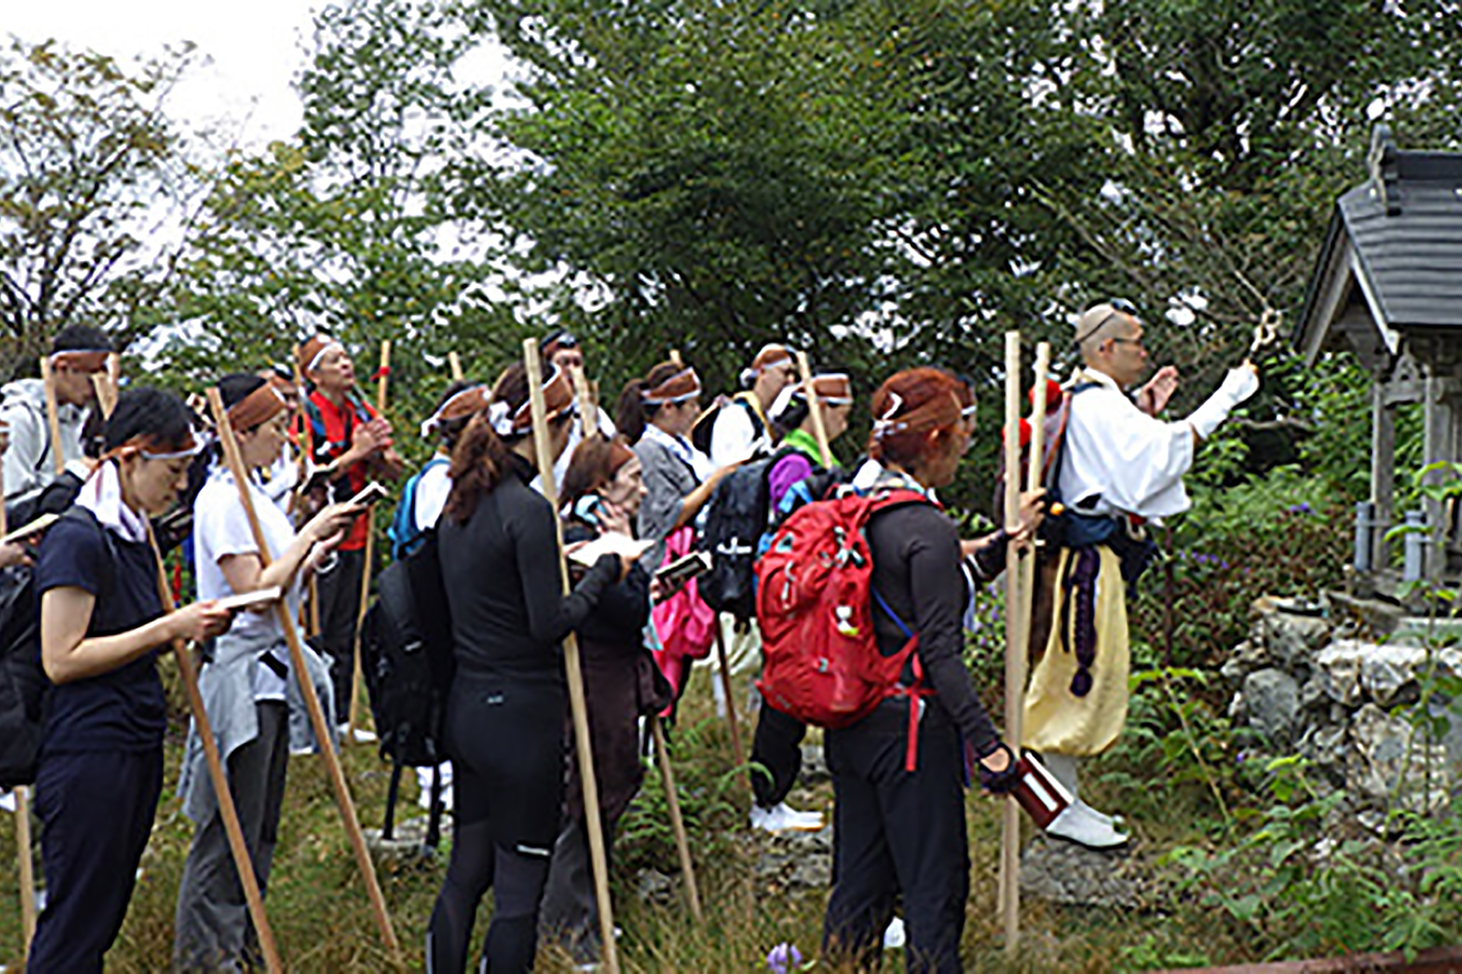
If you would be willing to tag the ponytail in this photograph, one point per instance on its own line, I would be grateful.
(634, 414)
(631, 416)
(478, 463)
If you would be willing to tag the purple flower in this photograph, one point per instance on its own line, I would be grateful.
(783, 958)
(1300, 508)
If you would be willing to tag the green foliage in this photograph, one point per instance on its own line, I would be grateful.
(1279, 533)
(90, 165)
(707, 790)
(1299, 887)
(350, 227)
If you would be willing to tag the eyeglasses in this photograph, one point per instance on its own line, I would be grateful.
(1119, 306)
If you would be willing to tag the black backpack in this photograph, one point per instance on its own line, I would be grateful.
(406, 659)
(738, 515)
(23, 682)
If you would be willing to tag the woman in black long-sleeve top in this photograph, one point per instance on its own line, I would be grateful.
(602, 492)
(901, 833)
(505, 714)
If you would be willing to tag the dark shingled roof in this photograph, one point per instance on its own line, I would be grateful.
(1405, 224)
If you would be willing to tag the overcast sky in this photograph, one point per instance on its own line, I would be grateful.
(254, 49)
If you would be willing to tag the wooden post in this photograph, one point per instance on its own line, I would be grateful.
(814, 409)
(573, 670)
(53, 417)
(672, 799)
(307, 688)
(243, 863)
(454, 362)
(353, 721)
(24, 862)
(1015, 643)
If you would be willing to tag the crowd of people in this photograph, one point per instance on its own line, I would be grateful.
(309, 444)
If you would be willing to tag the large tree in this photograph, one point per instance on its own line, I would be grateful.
(91, 168)
(349, 226)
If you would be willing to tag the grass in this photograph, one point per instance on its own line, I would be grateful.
(322, 919)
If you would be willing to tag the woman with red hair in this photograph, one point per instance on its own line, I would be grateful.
(900, 834)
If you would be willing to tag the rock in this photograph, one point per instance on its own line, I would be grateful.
(814, 766)
(654, 887)
(1272, 700)
(1072, 875)
(1246, 657)
(1388, 753)
(798, 860)
(1338, 668)
(1289, 638)
(1388, 673)
(407, 838)
(1313, 695)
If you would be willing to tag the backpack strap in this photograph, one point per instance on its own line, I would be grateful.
(915, 692)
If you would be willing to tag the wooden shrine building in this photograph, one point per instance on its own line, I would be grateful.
(1388, 288)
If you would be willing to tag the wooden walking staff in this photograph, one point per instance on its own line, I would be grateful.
(573, 669)
(307, 687)
(1015, 643)
(306, 449)
(243, 864)
(382, 382)
(589, 417)
(1035, 470)
(672, 799)
(454, 362)
(24, 862)
(814, 409)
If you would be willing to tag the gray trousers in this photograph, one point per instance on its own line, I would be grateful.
(569, 913)
(214, 932)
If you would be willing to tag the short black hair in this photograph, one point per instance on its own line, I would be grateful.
(149, 412)
(236, 387)
(80, 338)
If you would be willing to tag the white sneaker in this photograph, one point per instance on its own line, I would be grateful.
(1115, 821)
(784, 818)
(1076, 824)
(362, 736)
(894, 937)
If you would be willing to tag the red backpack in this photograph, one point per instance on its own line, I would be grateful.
(814, 605)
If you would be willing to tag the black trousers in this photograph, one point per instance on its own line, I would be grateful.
(777, 746)
(339, 592)
(898, 835)
(507, 744)
(96, 810)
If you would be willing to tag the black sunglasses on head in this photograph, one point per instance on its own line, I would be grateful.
(1119, 306)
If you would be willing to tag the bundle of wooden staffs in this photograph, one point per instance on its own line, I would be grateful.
(1019, 592)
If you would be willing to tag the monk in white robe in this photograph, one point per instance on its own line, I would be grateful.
(1121, 467)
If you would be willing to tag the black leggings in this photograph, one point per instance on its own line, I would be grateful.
(507, 751)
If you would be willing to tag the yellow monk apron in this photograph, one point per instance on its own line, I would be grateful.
(1059, 716)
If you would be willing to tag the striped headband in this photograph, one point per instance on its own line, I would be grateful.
(558, 398)
(259, 406)
(82, 359)
(680, 387)
(464, 403)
